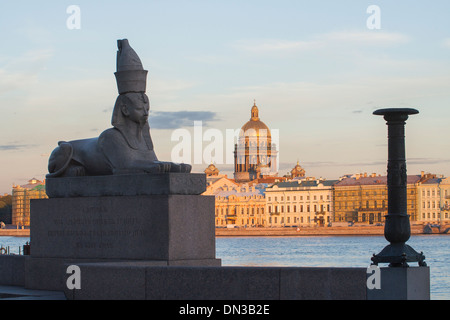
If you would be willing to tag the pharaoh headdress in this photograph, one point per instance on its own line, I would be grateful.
(131, 78)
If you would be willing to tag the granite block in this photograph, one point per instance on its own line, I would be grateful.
(12, 270)
(212, 283)
(323, 283)
(126, 185)
(50, 273)
(122, 281)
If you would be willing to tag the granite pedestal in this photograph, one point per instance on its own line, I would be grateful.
(173, 227)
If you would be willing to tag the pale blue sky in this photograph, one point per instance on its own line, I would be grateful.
(315, 69)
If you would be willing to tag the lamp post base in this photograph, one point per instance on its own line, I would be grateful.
(398, 254)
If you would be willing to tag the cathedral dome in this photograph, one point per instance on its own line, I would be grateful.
(255, 127)
(254, 155)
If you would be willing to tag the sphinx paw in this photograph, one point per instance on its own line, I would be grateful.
(75, 171)
(186, 168)
(159, 167)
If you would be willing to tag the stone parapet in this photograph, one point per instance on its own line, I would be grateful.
(117, 281)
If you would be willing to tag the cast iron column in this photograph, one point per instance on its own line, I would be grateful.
(397, 228)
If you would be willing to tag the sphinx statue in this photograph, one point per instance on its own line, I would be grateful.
(127, 147)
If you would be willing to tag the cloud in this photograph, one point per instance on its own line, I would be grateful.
(428, 161)
(366, 38)
(372, 38)
(22, 71)
(164, 86)
(178, 119)
(11, 147)
(446, 43)
(275, 45)
(361, 164)
(320, 164)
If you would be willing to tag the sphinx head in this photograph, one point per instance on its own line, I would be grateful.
(132, 106)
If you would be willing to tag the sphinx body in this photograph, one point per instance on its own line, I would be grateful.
(127, 147)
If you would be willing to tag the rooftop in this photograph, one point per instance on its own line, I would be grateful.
(305, 183)
(372, 180)
(245, 191)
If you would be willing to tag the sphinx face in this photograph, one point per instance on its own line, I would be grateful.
(137, 108)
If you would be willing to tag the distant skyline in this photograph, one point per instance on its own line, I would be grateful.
(315, 69)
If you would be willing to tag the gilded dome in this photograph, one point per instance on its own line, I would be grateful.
(297, 171)
(211, 170)
(255, 127)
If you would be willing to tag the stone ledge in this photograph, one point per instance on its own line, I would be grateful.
(117, 281)
(126, 185)
(12, 270)
(50, 273)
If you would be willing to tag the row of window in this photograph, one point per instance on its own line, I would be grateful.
(288, 198)
(252, 221)
(360, 193)
(235, 210)
(434, 192)
(376, 205)
(370, 217)
(351, 205)
(368, 193)
(302, 208)
(434, 215)
(293, 220)
(323, 208)
(433, 204)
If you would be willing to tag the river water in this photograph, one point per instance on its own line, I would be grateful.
(334, 251)
(323, 251)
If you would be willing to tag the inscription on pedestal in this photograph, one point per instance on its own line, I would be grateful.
(70, 228)
(158, 227)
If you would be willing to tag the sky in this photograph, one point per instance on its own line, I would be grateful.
(316, 69)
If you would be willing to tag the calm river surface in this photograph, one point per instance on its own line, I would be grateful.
(323, 251)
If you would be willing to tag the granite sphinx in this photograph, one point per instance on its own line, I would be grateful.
(127, 147)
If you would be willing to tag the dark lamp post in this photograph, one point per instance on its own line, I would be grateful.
(397, 229)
